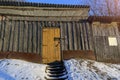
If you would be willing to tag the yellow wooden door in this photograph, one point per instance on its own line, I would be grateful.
(51, 45)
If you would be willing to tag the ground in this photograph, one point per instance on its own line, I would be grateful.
(78, 69)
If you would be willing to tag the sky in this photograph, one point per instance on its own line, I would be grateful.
(59, 1)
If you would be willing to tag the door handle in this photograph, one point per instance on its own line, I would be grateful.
(44, 45)
(56, 38)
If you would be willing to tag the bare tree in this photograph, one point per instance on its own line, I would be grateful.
(104, 7)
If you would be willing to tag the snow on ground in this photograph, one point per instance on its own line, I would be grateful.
(91, 70)
(11, 69)
(78, 69)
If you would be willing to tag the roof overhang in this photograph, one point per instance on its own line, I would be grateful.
(104, 19)
(43, 10)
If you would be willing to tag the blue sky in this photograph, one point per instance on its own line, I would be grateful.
(59, 1)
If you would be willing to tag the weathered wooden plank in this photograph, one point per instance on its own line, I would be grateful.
(42, 12)
(34, 37)
(78, 36)
(36, 33)
(74, 35)
(29, 37)
(57, 44)
(90, 36)
(70, 36)
(1, 27)
(12, 36)
(48, 18)
(107, 56)
(21, 26)
(32, 44)
(118, 48)
(82, 37)
(66, 36)
(40, 37)
(25, 49)
(62, 35)
(6, 37)
(85, 36)
(10, 33)
(99, 49)
(15, 43)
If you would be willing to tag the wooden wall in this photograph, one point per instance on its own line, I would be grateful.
(20, 36)
(25, 35)
(103, 51)
(76, 35)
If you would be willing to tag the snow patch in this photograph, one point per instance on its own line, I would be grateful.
(22, 70)
(91, 70)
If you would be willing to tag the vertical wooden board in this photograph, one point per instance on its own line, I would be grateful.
(0, 28)
(66, 45)
(6, 35)
(10, 33)
(90, 36)
(25, 49)
(57, 44)
(12, 36)
(82, 37)
(110, 30)
(34, 37)
(39, 37)
(98, 30)
(116, 30)
(93, 29)
(44, 45)
(119, 48)
(106, 56)
(15, 43)
(85, 35)
(99, 49)
(30, 37)
(78, 36)
(32, 29)
(1, 31)
(3, 34)
(62, 35)
(103, 30)
(21, 26)
(70, 36)
(74, 35)
(52, 46)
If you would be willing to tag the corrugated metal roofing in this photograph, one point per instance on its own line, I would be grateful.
(14, 3)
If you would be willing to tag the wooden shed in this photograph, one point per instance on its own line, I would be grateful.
(106, 37)
(49, 32)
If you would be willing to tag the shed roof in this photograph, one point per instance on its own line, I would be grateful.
(106, 19)
(31, 4)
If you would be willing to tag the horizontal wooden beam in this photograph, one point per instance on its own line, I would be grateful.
(30, 11)
(47, 18)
